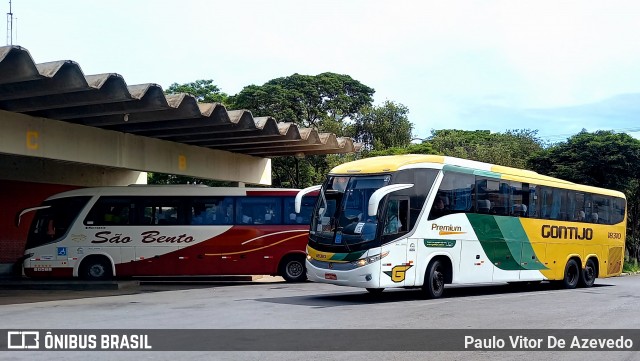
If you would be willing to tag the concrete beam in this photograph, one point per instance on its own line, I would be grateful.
(24, 135)
(42, 170)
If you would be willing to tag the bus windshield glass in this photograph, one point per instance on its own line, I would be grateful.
(341, 218)
(51, 223)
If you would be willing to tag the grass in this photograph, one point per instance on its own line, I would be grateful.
(631, 267)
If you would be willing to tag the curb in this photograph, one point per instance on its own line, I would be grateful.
(80, 285)
(629, 273)
(66, 285)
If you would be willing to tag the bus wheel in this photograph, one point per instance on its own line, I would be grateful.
(434, 279)
(96, 269)
(571, 274)
(375, 291)
(292, 269)
(588, 274)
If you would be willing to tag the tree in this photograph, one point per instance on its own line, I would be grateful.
(382, 127)
(322, 101)
(203, 90)
(601, 159)
(422, 148)
(325, 102)
(511, 148)
(633, 219)
(161, 178)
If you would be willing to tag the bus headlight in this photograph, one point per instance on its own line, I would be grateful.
(368, 260)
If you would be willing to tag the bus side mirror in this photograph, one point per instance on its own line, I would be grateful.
(302, 193)
(25, 211)
(376, 197)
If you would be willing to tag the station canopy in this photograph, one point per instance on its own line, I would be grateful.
(60, 90)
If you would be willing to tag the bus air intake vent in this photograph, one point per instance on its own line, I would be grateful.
(615, 260)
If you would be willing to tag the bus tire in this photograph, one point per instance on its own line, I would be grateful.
(588, 274)
(292, 268)
(434, 279)
(375, 291)
(571, 274)
(96, 268)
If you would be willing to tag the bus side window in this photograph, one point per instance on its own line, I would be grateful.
(483, 196)
(162, 211)
(304, 217)
(110, 211)
(396, 216)
(209, 210)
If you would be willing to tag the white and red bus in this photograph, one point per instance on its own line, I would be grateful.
(105, 232)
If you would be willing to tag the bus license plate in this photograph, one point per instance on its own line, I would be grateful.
(330, 276)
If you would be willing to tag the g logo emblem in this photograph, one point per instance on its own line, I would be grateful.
(398, 273)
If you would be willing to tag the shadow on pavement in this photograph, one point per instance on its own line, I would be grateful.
(17, 291)
(403, 295)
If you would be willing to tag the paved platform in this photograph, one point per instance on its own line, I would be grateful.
(75, 284)
(21, 291)
(29, 284)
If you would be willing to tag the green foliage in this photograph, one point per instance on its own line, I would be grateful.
(291, 172)
(511, 148)
(633, 219)
(322, 101)
(602, 159)
(325, 102)
(382, 127)
(422, 148)
(308, 171)
(161, 178)
(203, 90)
(631, 267)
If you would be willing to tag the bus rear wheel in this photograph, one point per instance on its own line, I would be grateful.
(434, 279)
(588, 274)
(96, 269)
(292, 269)
(571, 274)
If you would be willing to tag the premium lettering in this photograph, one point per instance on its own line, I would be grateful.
(563, 232)
(449, 228)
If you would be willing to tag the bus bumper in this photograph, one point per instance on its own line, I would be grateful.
(36, 269)
(367, 276)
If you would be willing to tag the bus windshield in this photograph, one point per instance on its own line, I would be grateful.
(53, 222)
(341, 218)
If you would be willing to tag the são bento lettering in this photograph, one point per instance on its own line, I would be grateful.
(145, 237)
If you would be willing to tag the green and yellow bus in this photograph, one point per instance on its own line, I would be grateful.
(428, 220)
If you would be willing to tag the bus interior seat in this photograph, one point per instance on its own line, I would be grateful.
(484, 206)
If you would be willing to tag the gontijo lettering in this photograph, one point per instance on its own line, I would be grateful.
(563, 232)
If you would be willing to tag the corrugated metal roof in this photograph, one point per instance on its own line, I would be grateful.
(59, 90)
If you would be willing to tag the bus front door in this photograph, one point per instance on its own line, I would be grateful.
(396, 268)
(410, 273)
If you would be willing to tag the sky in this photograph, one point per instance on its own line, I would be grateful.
(553, 66)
